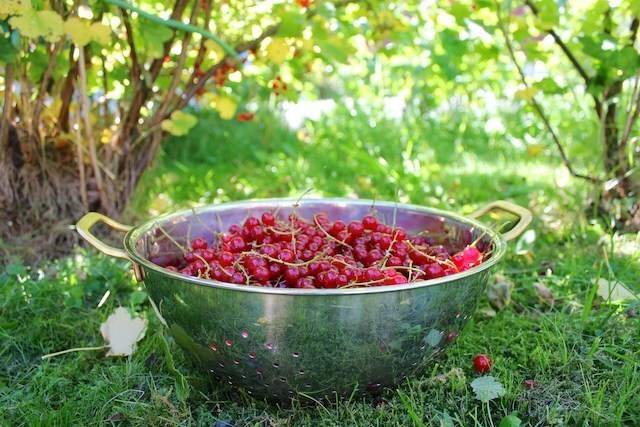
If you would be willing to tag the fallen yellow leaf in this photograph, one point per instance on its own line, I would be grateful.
(614, 291)
(122, 332)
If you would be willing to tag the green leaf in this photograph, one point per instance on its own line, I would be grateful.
(16, 269)
(487, 388)
(154, 36)
(594, 16)
(137, 297)
(8, 52)
(592, 46)
(460, 11)
(549, 86)
(182, 386)
(443, 419)
(627, 60)
(331, 50)
(548, 16)
(511, 420)
(291, 24)
(632, 6)
(179, 124)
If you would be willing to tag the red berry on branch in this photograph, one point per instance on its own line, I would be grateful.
(245, 116)
(304, 3)
(197, 72)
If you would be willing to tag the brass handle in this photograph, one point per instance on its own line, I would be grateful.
(524, 216)
(84, 229)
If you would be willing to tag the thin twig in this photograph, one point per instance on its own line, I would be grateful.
(202, 50)
(88, 129)
(634, 102)
(7, 107)
(632, 112)
(72, 350)
(562, 45)
(177, 72)
(192, 89)
(81, 171)
(177, 25)
(54, 48)
(136, 69)
(537, 107)
(171, 239)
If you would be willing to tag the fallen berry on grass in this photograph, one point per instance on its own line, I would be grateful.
(482, 363)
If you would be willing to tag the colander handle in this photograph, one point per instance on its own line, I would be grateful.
(84, 226)
(524, 216)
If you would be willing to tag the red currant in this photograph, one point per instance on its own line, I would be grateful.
(294, 252)
(482, 363)
(198, 243)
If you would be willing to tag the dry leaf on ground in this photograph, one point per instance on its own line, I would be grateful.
(499, 291)
(614, 290)
(454, 373)
(543, 292)
(122, 332)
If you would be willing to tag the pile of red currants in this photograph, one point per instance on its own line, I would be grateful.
(319, 253)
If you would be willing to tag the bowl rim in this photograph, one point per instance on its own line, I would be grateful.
(132, 236)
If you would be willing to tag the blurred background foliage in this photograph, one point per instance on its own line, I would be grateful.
(403, 91)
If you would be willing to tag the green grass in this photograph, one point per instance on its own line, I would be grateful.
(582, 353)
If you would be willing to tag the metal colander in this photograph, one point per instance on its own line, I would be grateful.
(278, 344)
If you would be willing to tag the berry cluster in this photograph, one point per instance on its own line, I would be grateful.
(245, 116)
(220, 74)
(297, 253)
(278, 86)
(304, 3)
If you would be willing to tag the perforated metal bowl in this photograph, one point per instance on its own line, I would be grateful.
(280, 344)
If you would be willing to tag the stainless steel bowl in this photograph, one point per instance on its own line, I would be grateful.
(280, 344)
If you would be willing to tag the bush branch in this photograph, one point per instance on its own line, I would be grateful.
(538, 108)
(172, 23)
